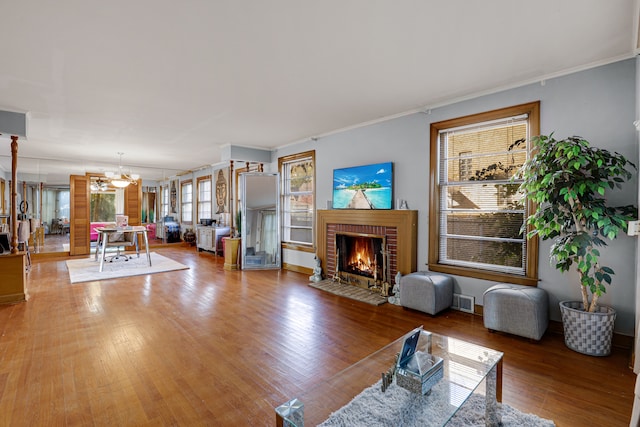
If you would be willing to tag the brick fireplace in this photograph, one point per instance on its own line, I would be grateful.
(398, 227)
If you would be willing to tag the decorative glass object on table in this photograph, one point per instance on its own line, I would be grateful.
(466, 369)
(290, 414)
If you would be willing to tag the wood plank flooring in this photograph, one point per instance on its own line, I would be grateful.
(211, 347)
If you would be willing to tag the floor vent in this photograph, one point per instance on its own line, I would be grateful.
(463, 303)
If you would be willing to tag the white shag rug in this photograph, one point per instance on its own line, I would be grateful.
(86, 269)
(399, 407)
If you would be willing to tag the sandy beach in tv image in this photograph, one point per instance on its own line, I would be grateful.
(363, 187)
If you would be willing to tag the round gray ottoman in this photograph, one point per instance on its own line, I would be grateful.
(516, 309)
(427, 292)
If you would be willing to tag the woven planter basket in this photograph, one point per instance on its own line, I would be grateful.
(587, 333)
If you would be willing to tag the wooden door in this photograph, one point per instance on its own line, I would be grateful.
(79, 243)
(133, 203)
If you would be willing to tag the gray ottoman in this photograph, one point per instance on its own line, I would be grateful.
(428, 292)
(516, 309)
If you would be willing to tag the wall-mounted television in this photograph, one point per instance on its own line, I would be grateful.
(363, 187)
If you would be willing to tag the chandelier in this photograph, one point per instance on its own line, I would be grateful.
(121, 179)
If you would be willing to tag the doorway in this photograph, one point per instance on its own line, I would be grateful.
(56, 211)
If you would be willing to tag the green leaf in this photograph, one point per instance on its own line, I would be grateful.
(569, 179)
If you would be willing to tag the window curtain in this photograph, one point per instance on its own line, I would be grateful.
(268, 234)
(48, 206)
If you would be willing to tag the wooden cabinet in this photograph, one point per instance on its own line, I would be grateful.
(204, 238)
(14, 278)
(210, 238)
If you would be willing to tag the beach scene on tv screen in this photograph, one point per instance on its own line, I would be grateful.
(363, 187)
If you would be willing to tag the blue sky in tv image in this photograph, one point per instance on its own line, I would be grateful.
(376, 180)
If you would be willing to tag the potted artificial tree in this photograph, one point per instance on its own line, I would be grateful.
(568, 179)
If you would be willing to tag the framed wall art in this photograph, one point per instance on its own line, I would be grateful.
(363, 187)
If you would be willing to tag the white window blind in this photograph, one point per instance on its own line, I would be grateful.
(204, 198)
(481, 212)
(186, 201)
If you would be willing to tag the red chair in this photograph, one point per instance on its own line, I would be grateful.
(151, 231)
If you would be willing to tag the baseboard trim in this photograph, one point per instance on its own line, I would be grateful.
(42, 255)
(555, 327)
(13, 298)
(297, 268)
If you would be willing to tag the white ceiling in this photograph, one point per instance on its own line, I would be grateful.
(169, 83)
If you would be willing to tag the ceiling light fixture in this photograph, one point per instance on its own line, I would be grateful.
(121, 179)
(99, 185)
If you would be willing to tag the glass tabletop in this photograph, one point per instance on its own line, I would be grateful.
(465, 368)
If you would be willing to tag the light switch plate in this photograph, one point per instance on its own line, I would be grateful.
(633, 228)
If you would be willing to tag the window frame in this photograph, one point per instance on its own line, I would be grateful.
(184, 203)
(200, 180)
(531, 264)
(93, 200)
(284, 193)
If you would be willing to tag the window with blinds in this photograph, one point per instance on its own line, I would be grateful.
(186, 201)
(480, 213)
(204, 197)
(164, 194)
(298, 197)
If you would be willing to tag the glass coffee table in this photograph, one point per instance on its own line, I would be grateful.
(467, 368)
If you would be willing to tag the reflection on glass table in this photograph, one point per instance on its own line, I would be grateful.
(467, 368)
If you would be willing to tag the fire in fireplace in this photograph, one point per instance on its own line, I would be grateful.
(360, 254)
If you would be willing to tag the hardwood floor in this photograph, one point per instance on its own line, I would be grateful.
(206, 346)
(54, 243)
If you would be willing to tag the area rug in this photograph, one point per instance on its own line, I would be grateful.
(399, 407)
(349, 291)
(86, 269)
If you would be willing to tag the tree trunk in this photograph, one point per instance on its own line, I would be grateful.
(594, 303)
(585, 297)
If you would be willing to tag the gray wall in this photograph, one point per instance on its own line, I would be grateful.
(598, 104)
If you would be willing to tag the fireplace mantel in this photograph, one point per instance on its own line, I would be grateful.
(402, 225)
